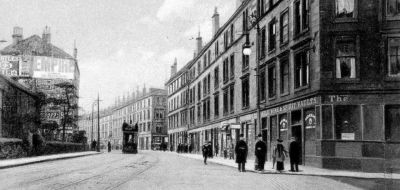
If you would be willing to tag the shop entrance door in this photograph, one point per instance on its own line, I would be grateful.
(296, 132)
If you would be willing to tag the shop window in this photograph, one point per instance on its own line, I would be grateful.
(245, 93)
(271, 81)
(262, 84)
(344, 8)
(302, 68)
(347, 122)
(274, 128)
(394, 57)
(283, 126)
(296, 117)
(393, 8)
(392, 123)
(284, 27)
(345, 59)
(284, 76)
(310, 123)
(264, 129)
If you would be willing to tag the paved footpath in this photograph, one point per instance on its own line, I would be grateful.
(9, 163)
(304, 170)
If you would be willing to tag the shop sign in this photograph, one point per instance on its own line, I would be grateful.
(235, 126)
(9, 65)
(338, 98)
(283, 125)
(310, 121)
(348, 136)
(53, 68)
(293, 106)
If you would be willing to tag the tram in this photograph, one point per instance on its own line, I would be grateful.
(129, 138)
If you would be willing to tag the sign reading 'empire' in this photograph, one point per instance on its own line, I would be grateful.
(292, 106)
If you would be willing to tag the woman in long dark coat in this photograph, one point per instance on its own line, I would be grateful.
(241, 150)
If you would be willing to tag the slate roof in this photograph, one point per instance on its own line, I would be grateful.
(36, 46)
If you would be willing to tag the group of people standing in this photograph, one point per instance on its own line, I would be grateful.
(184, 148)
(278, 155)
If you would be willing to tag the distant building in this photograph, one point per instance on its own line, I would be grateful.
(39, 65)
(145, 109)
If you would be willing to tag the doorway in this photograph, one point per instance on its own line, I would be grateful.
(296, 132)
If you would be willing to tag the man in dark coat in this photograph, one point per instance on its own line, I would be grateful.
(260, 152)
(109, 146)
(241, 153)
(206, 149)
(294, 154)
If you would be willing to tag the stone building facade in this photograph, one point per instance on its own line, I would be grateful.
(328, 75)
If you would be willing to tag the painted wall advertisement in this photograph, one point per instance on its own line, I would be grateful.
(9, 65)
(53, 68)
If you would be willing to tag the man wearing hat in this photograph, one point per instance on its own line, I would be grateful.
(294, 154)
(206, 152)
(260, 152)
(241, 153)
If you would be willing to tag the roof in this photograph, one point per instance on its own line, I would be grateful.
(35, 45)
(18, 85)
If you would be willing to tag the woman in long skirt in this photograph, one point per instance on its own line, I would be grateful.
(279, 155)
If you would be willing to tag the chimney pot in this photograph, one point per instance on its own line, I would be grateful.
(215, 19)
(17, 34)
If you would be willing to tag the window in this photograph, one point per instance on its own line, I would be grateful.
(392, 123)
(208, 83)
(245, 62)
(394, 57)
(263, 39)
(226, 70)
(262, 84)
(232, 33)
(347, 120)
(345, 59)
(205, 61)
(216, 105)
(226, 40)
(209, 57)
(199, 113)
(205, 86)
(226, 101)
(393, 8)
(199, 91)
(245, 17)
(302, 69)
(344, 8)
(216, 49)
(271, 81)
(284, 76)
(260, 7)
(232, 66)
(285, 27)
(232, 98)
(199, 67)
(301, 16)
(245, 93)
(272, 35)
(216, 77)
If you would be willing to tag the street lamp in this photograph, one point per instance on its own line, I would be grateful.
(247, 49)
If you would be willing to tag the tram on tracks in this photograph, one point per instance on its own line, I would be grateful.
(129, 138)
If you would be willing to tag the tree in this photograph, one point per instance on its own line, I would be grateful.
(67, 102)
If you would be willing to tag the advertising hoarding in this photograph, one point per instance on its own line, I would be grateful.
(53, 68)
(9, 65)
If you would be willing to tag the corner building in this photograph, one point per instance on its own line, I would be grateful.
(328, 75)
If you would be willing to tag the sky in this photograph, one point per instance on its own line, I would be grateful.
(121, 44)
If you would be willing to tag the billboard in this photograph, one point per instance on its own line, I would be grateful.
(53, 68)
(9, 65)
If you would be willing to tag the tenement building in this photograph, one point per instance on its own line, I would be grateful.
(145, 109)
(324, 72)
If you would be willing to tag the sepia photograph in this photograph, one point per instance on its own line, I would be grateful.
(200, 94)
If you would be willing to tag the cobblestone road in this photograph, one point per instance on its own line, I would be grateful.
(149, 170)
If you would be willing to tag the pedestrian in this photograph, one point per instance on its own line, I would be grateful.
(260, 152)
(94, 144)
(279, 154)
(109, 146)
(241, 154)
(225, 153)
(205, 150)
(210, 150)
(294, 154)
(230, 150)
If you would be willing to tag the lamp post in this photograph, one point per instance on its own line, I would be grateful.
(247, 51)
(98, 122)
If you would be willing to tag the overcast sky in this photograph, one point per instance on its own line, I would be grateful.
(121, 43)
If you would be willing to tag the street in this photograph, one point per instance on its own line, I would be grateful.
(149, 170)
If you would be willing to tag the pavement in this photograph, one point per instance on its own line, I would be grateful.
(155, 170)
(9, 163)
(304, 170)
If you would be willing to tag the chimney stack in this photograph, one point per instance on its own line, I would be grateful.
(215, 19)
(174, 66)
(144, 89)
(199, 41)
(17, 34)
(46, 36)
(137, 91)
(75, 50)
